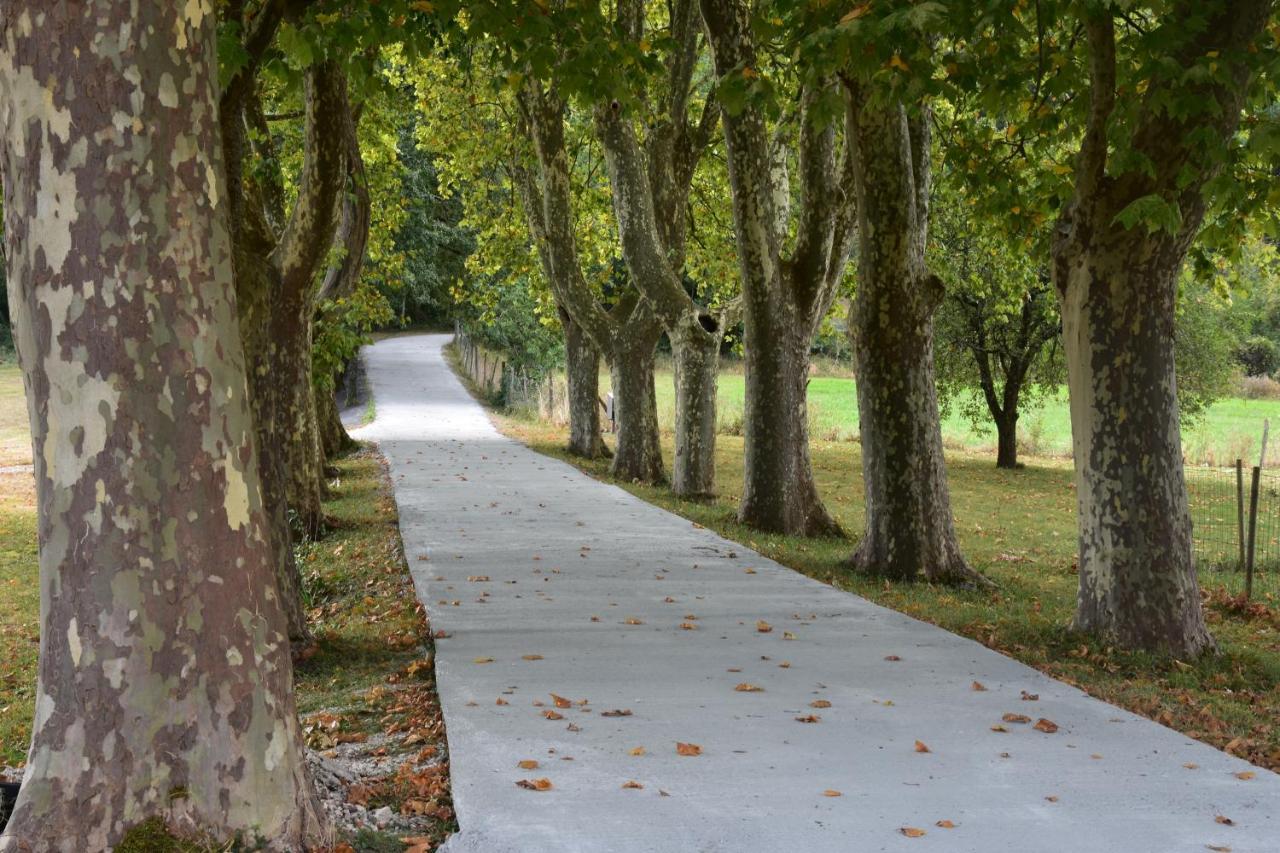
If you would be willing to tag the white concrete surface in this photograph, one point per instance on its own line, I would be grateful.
(515, 554)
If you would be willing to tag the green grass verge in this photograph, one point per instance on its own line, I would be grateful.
(1017, 527)
(15, 428)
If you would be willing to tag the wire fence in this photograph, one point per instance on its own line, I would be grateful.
(1224, 513)
(545, 397)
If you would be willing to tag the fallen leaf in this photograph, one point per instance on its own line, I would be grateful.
(1052, 798)
(892, 658)
(787, 635)
(786, 664)
(809, 718)
(1030, 697)
(501, 701)
(535, 784)
(977, 687)
(1046, 726)
(532, 657)
(639, 750)
(749, 688)
(1224, 820)
(831, 792)
(1245, 775)
(1016, 718)
(573, 727)
(528, 764)
(617, 712)
(911, 831)
(763, 627)
(1191, 766)
(920, 746)
(688, 626)
(478, 578)
(632, 783)
(561, 702)
(688, 749)
(945, 824)
(631, 620)
(998, 728)
(819, 703)
(483, 660)
(552, 715)
(1218, 848)
(749, 571)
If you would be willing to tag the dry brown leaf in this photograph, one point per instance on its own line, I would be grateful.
(749, 571)
(688, 749)
(809, 718)
(911, 831)
(998, 728)
(1052, 798)
(744, 687)
(478, 578)
(1016, 718)
(1191, 766)
(639, 750)
(1046, 726)
(1245, 775)
(535, 784)
(501, 701)
(763, 627)
(527, 764)
(787, 635)
(631, 620)
(1218, 848)
(1224, 820)
(632, 783)
(1030, 697)
(921, 747)
(786, 664)
(483, 660)
(819, 703)
(945, 824)
(532, 657)
(892, 658)
(561, 702)
(552, 715)
(617, 712)
(688, 626)
(977, 687)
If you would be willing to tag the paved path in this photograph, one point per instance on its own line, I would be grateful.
(517, 555)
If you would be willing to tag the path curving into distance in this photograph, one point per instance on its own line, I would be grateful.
(547, 581)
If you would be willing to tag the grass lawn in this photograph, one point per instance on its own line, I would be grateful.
(1018, 527)
(19, 614)
(1231, 428)
(15, 429)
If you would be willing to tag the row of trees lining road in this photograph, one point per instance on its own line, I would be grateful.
(204, 211)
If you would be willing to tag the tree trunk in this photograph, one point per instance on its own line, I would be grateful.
(778, 491)
(909, 526)
(1007, 440)
(697, 361)
(582, 378)
(334, 440)
(304, 463)
(164, 678)
(638, 455)
(1138, 585)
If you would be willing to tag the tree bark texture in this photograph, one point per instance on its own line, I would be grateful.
(582, 379)
(697, 372)
(1117, 290)
(164, 684)
(785, 296)
(909, 528)
(638, 456)
(1007, 439)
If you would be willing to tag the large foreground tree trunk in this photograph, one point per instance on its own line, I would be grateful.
(697, 372)
(164, 684)
(909, 528)
(582, 381)
(1138, 585)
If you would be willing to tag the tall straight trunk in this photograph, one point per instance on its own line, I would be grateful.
(638, 454)
(164, 686)
(1138, 585)
(778, 491)
(697, 361)
(334, 440)
(909, 527)
(582, 378)
(304, 462)
(1007, 439)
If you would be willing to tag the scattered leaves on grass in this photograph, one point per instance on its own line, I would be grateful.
(688, 749)
(921, 747)
(744, 687)
(534, 784)
(1046, 726)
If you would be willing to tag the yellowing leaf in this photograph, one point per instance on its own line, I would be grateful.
(787, 635)
(763, 627)
(632, 783)
(639, 750)
(532, 657)
(854, 13)
(945, 824)
(1016, 718)
(977, 686)
(831, 792)
(897, 62)
(911, 831)
(1046, 726)
(528, 764)
(535, 784)
(1245, 775)
(921, 747)
(553, 715)
(819, 703)
(749, 688)
(484, 660)
(688, 749)
(561, 702)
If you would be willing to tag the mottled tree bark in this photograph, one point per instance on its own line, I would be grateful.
(651, 185)
(909, 528)
(164, 684)
(582, 379)
(784, 297)
(639, 452)
(1117, 290)
(1007, 438)
(697, 367)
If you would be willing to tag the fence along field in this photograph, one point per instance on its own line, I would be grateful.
(1220, 512)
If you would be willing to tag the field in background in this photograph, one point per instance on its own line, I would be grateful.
(15, 429)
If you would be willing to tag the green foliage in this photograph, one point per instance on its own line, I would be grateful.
(1259, 355)
(513, 322)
